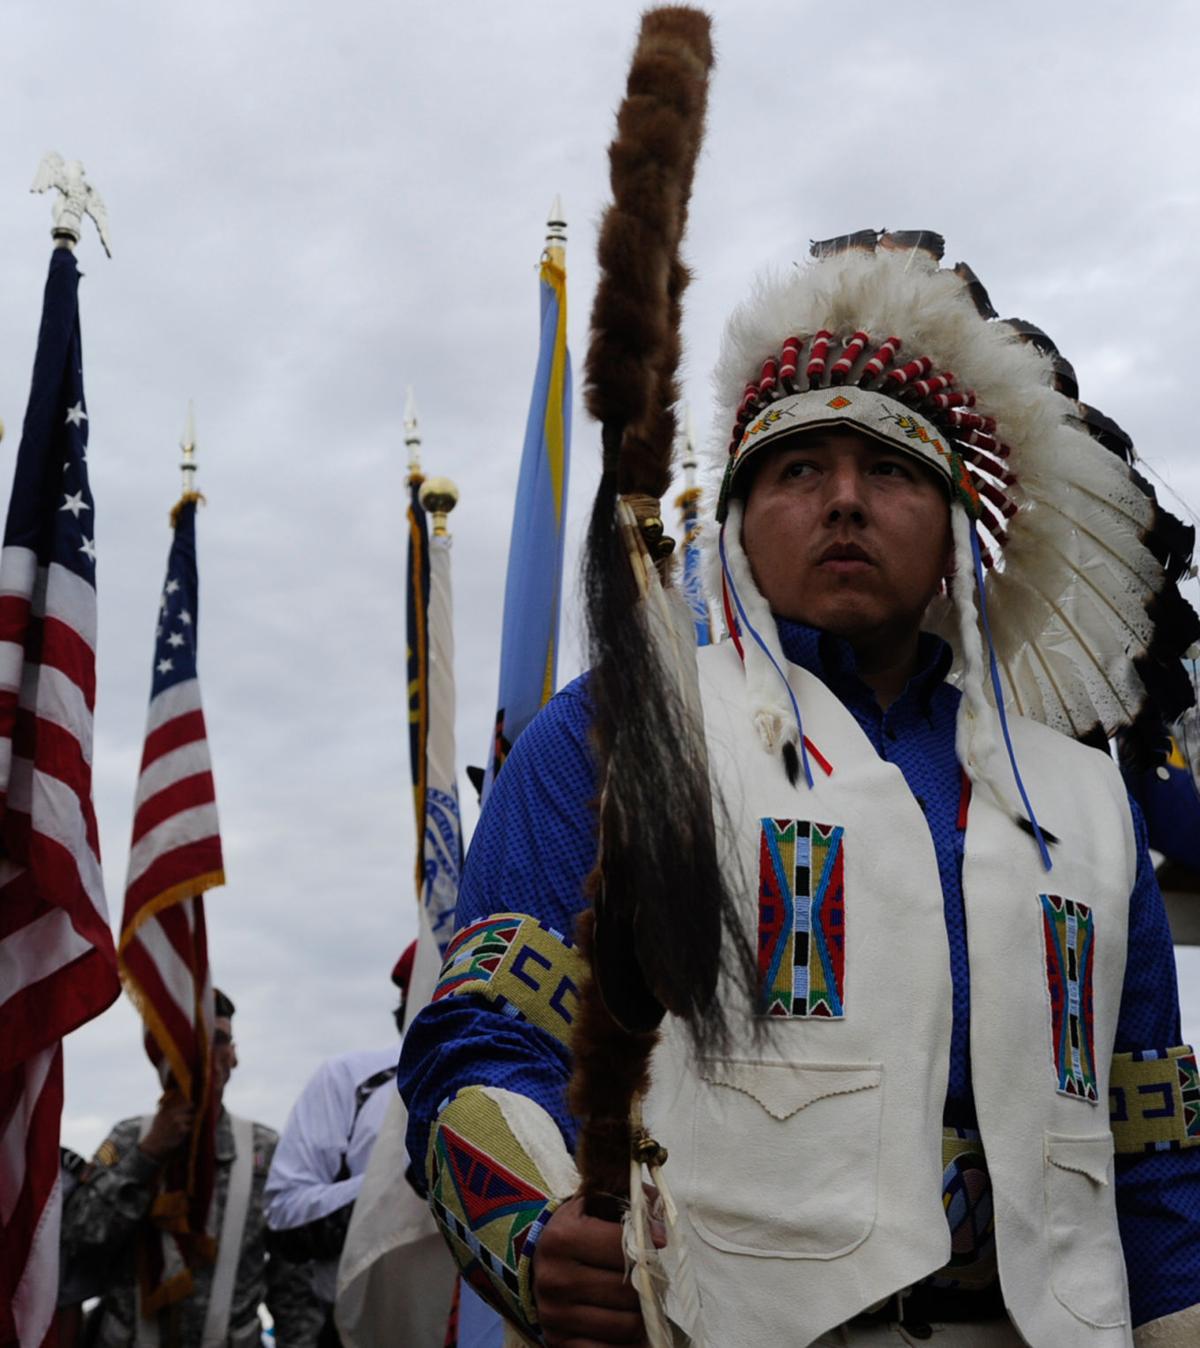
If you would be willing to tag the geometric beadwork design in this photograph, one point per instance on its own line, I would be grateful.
(489, 1200)
(967, 1200)
(524, 967)
(801, 920)
(1070, 937)
(1154, 1100)
(1189, 1091)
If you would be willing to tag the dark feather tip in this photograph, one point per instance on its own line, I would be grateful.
(905, 240)
(864, 239)
(791, 762)
(1031, 333)
(1106, 430)
(975, 290)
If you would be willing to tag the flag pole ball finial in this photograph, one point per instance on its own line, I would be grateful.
(439, 496)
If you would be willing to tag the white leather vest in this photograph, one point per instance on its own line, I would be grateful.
(808, 1163)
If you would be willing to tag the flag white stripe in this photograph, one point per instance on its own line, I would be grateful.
(177, 700)
(35, 1300)
(39, 949)
(176, 974)
(57, 698)
(70, 599)
(185, 761)
(12, 664)
(18, 571)
(55, 811)
(12, 1143)
(188, 826)
(54, 592)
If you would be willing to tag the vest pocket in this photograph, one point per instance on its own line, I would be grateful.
(1087, 1266)
(785, 1157)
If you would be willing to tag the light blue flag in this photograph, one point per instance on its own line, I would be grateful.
(533, 593)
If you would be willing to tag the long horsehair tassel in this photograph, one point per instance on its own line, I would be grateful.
(999, 693)
(789, 760)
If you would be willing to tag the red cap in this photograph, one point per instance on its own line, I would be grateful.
(402, 973)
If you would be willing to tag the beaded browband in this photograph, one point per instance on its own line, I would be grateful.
(905, 405)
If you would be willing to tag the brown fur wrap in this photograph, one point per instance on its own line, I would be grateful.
(633, 357)
(653, 936)
(611, 1065)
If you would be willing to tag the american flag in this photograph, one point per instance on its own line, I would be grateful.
(174, 857)
(57, 964)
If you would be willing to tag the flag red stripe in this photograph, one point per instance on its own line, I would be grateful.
(141, 966)
(201, 857)
(182, 730)
(41, 1167)
(178, 930)
(55, 751)
(57, 875)
(14, 617)
(51, 642)
(62, 648)
(184, 794)
(20, 904)
(40, 1013)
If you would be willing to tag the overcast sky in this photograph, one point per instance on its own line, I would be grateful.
(314, 206)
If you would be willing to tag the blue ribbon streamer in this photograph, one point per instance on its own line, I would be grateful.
(746, 624)
(1012, 756)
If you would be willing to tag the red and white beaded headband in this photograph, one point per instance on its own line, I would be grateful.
(848, 382)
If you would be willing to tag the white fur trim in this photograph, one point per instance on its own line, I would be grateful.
(977, 736)
(539, 1138)
(766, 688)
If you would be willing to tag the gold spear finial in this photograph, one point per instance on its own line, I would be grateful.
(438, 496)
(187, 465)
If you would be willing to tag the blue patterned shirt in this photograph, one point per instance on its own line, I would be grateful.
(535, 844)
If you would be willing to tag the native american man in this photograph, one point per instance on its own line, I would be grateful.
(963, 964)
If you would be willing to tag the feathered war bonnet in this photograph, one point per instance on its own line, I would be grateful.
(1063, 606)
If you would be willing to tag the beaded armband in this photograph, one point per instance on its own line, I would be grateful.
(1154, 1100)
(529, 970)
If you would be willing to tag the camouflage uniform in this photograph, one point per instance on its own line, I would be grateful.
(103, 1215)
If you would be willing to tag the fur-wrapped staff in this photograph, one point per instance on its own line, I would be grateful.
(661, 916)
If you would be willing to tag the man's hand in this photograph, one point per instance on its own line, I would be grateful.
(579, 1286)
(171, 1128)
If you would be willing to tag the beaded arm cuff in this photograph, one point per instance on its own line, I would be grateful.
(497, 1170)
(1154, 1100)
